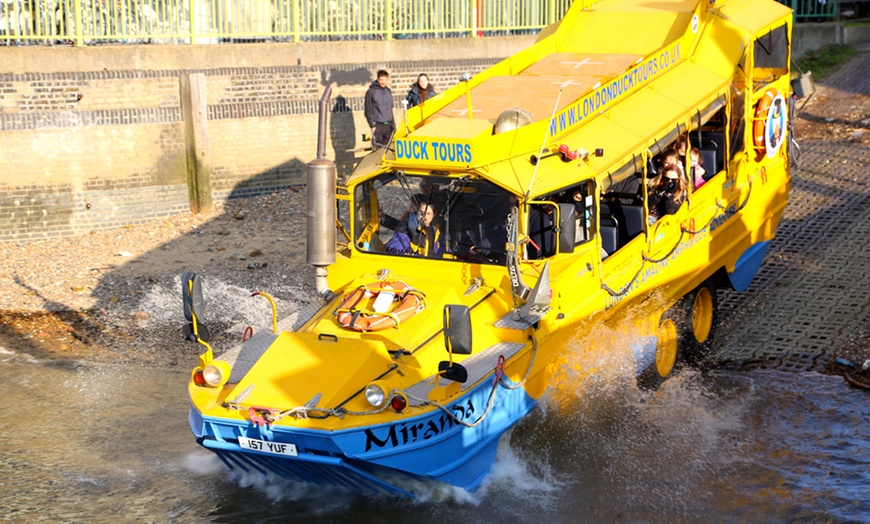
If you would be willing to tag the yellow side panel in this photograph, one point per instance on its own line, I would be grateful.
(645, 113)
(602, 133)
(645, 6)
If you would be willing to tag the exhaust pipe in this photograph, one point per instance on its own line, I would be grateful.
(320, 189)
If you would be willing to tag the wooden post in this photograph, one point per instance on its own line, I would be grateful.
(194, 115)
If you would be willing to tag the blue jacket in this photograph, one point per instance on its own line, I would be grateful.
(401, 244)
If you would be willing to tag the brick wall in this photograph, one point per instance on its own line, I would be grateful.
(100, 149)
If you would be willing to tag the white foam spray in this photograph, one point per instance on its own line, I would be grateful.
(204, 463)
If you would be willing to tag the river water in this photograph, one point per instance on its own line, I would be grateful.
(86, 441)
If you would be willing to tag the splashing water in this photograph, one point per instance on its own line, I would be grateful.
(224, 303)
(229, 309)
(108, 440)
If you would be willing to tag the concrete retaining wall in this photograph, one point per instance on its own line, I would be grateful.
(809, 37)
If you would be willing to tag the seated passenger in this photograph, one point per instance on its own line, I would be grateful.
(428, 193)
(424, 240)
(666, 193)
(672, 158)
(542, 232)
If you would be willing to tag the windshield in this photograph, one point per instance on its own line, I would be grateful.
(432, 216)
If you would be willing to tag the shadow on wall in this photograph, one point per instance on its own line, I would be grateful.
(342, 135)
(289, 174)
(340, 77)
(342, 129)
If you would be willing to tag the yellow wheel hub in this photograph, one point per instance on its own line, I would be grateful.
(702, 315)
(666, 347)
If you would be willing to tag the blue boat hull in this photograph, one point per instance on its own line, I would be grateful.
(379, 458)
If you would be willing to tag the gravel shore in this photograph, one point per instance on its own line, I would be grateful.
(118, 294)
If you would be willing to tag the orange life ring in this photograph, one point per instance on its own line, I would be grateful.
(759, 123)
(352, 315)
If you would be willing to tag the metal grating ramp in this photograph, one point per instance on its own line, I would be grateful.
(809, 298)
(513, 321)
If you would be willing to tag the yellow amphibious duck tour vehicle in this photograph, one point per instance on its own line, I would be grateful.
(509, 215)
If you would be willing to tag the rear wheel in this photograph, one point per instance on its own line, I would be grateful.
(685, 334)
(667, 350)
(697, 337)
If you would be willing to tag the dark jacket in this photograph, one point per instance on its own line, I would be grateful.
(662, 203)
(378, 104)
(414, 95)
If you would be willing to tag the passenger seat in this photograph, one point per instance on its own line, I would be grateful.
(710, 165)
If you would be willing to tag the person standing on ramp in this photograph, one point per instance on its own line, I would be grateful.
(379, 110)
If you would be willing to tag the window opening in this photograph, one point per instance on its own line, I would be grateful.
(459, 218)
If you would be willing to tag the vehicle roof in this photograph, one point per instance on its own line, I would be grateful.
(640, 64)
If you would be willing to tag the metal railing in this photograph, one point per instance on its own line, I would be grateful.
(813, 10)
(88, 22)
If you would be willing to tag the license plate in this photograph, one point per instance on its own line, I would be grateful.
(275, 448)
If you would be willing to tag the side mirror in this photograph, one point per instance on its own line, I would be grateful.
(191, 295)
(194, 306)
(567, 228)
(457, 339)
(457, 329)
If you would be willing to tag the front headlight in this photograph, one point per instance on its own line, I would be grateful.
(375, 394)
(216, 373)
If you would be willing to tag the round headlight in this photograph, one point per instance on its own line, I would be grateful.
(216, 373)
(375, 394)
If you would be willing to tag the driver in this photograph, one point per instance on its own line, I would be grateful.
(424, 240)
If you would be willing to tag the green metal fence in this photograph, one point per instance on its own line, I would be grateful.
(813, 10)
(87, 22)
